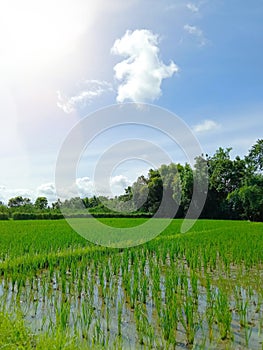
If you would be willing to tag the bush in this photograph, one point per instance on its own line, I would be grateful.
(57, 216)
(23, 216)
(37, 216)
(4, 216)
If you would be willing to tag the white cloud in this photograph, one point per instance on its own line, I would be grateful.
(118, 183)
(192, 7)
(6, 193)
(47, 190)
(85, 187)
(205, 126)
(141, 72)
(196, 32)
(91, 90)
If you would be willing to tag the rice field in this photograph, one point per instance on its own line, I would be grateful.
(198, 290)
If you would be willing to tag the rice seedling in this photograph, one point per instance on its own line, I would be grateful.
(174, 290)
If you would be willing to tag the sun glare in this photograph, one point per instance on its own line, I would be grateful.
(33, 33)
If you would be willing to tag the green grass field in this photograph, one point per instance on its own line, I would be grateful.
(201, 290)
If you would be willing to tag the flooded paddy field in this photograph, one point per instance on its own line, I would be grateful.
(199, 290)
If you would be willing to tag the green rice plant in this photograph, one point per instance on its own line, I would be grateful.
(97, 333)
(63, 315)
(79, 288)
(49, 263)
(248, 333)
(86, 318)
(189, 318)
(242, 306)
(260, 323)
(139, 323)
(223, 315)
(210, 308)
(108, 316)
(194, 286)
(134, 292)
(119, 313)
(144, 289)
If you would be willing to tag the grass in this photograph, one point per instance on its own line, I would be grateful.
(202, 289)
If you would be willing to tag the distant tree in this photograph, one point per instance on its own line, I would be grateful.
(140, 193)
(3, 208)
(220, 168)
(73, 203)
(248, 202)
(94, 202)
(41, 203)
(155, 187)
(255, 156)
(127, 195)
(56, 205)
(171, 201)
(183, 187)
(225, 176)
(18, 201)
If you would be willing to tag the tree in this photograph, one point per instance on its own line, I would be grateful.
(18, 201)
(41, 203)
(127, 196)
(56, 205)
(183, 186)
(140, 193)
(3, 208)
(225, 176)
(220, 168)
(155, 187)
(247, 201)
(255, 156)
(171, 201)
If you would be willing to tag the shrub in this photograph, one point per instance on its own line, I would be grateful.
(4, 216)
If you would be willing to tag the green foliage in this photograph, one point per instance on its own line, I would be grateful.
(41, 203)
(19, 201)
(234, 192)
(248, 201)
(37, 216)
(4, 216)
(255, 156)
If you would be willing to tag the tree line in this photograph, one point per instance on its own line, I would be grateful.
(235, 191)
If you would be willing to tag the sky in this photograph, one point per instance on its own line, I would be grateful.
(63, 60)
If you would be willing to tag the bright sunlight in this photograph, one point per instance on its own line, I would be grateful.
(33, 33)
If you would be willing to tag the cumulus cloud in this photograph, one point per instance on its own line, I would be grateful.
(205, 126)
(141, 72)
(47, 190)
(118, 183)
(192, 7)
(91, 89)
(197, 33)
(85, 187)
(7, 193)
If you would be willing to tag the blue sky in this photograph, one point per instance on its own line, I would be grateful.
(60, 61)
